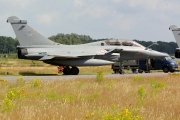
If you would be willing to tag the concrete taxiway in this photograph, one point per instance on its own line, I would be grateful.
(72, 77)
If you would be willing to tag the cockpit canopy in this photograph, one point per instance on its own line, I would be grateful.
(116, 42)
(119, 42)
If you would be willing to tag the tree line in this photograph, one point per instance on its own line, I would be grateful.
(167, 47)
(8, 44)
(71, 39)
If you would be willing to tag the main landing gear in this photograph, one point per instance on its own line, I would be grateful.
(70, 71)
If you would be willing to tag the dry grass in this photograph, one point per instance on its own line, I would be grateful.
(28, 70)
(129, 97)
(8, 62)
(46, 70)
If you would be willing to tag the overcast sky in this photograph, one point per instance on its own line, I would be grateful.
(146, 20)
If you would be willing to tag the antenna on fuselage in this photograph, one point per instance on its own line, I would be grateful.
(155, 43)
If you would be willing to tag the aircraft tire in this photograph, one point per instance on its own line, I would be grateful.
(74, 71)
(67, 71)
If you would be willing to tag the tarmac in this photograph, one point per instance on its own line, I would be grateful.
(73, 77)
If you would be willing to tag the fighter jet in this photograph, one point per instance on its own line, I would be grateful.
(34, 46)
(176, 33)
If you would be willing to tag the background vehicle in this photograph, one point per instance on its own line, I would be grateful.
(167, 64)
(126, 64)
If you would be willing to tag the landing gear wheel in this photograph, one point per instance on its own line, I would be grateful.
(165, 69)
(67, 71)
(74, 71)
(71, 71)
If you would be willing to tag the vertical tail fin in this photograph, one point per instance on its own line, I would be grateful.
(176, 33)
(26, 35)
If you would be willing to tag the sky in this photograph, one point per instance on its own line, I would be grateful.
(146, 20)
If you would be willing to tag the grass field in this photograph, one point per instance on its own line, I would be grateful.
(129, 98)
(100, 98)
(50, 70)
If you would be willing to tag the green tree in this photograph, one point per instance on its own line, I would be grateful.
(71, 39)
(167, 47)
(8, 45)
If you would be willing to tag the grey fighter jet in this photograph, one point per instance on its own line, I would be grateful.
(34, 46)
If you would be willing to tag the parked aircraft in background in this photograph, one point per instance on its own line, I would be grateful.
(176, 33)
(34, 46)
